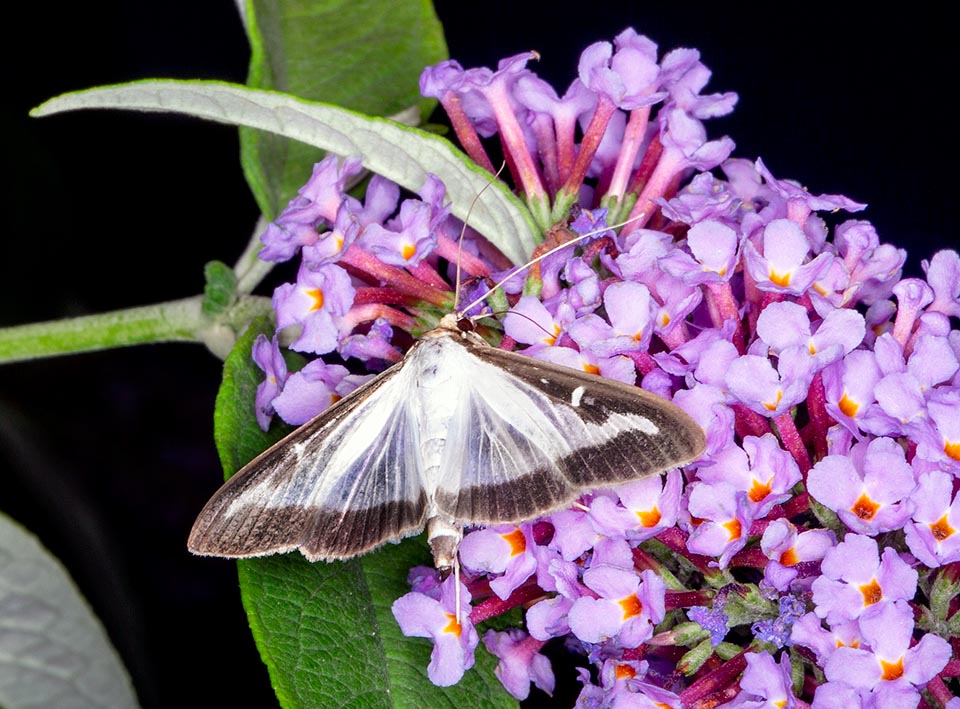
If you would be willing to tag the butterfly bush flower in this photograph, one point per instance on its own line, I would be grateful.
(811, 556)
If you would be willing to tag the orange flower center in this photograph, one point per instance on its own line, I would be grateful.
(317, 295)
(781, 280)
(517, 542)
(734, 528)
(789, 557)
(631, 606)
(848, 406)
(941, 529)
(892, 670)
(952, 449)
(872, 593)
(453, 626)
(773, 406)
(758, 491)
(865, 508)
(649, 518)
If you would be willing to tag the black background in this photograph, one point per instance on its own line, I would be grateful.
(108, 457)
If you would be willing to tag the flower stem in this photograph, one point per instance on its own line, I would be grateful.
(791, 440)
(714, 681)
(173, 321)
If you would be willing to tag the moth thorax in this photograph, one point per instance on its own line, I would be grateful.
(444, 538)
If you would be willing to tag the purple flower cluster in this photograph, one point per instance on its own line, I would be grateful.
(811, 557)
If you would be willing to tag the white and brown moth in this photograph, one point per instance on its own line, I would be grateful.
(458, 433)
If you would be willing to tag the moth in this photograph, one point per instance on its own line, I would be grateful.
(458, 433)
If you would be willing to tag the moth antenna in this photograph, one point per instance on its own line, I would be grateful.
(463, 230)
(527, 317)
(538, 259)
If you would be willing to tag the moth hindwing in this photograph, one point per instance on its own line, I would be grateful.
(458, 430)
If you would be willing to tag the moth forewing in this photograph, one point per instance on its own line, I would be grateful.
(544, 434)
(311, 492)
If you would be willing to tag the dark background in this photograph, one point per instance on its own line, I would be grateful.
(108, 457)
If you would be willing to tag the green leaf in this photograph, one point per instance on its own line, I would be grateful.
(325, 631)
(403, 154)
(53, 650)
(329, 638)
(366, 55)
(220, 288)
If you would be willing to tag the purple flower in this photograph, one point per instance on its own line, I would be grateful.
(705, 199)
(627, 77)
(646, 508)
(375, 344)
(684, 75)
(869, 488)
(531, 323)
(765, 683)
(505, 550)
(808, 631)
(520, 662)
(314, 388)
(627, 605)
(724, 518)
(768, 391)
(849, 384)
(266, 353)
(329, 247)
(872, 268)
(408, 241)
(791, 553)
(762, 469)
(317, 202)
(943, 275)
(629, 307)
(939, 436)
(454, 641)
(932, 535)
(316, 303)
(714, 250)
(855, 578)
(783, 326)
(888, 666)
(782, 268)
(797, 197)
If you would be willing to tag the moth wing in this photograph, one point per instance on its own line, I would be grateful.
(532, 436)
(340, 485)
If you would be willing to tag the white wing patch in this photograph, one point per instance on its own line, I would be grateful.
(576, 395)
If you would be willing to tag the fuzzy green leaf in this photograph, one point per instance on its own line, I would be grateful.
(53, 650)
(366, 55)
(220, 288)
(403, 154)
